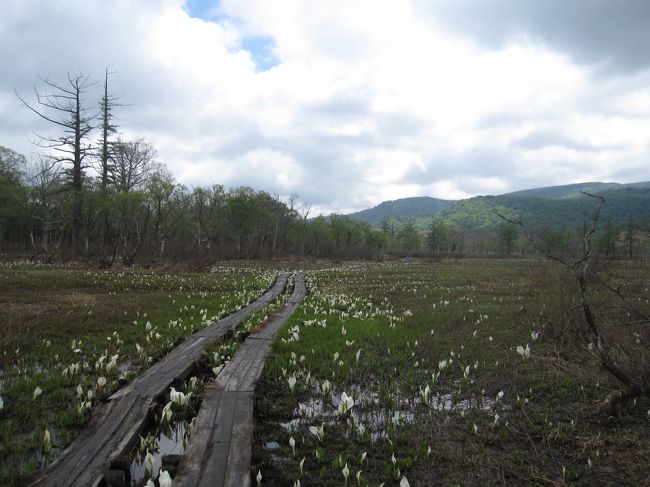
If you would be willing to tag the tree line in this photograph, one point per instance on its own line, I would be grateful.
(91, 193)
(612, 240)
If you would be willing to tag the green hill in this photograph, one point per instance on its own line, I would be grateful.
(402, 209)
(481, 212)
(574, 190)
(557, 206)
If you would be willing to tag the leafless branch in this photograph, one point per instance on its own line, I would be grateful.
(582, 269)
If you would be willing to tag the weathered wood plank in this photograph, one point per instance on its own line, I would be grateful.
(214, 465)
(117, 424)
(269, 331)
(164, 372)
(82, 465)
(254, 372)
(239, 458)
(220, 454)
(232, 377)
(203, 431)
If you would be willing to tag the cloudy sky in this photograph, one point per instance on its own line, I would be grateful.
(351, 102)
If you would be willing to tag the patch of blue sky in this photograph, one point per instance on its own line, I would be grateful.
(203, 9)
(261, 49)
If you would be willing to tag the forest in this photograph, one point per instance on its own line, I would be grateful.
(90, 193)
(139, 212)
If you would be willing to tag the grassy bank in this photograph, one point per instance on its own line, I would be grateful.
(428, 352)
(468, 372)
(72, 336)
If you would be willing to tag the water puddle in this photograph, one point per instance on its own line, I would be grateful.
(271, 446)
(450, 403)
(170, 441)
(367, 412)
(373, 411)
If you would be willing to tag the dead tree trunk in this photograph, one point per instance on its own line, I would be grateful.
(64, 107)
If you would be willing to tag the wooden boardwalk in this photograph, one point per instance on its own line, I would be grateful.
(219, 449)
(114, 429)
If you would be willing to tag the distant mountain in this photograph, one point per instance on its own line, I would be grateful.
(573, 190)
(481, 212)
(402, 209)
(555, 206)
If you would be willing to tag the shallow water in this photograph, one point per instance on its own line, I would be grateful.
(271, 445)
(169, 442)
(369, 411)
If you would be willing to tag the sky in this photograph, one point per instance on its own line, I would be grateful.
(347, 103)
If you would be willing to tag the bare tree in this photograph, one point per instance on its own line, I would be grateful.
(132, 164)
(134, 212)
(303, 215)
(63, 107)
(46, 202)
(108, 127)
(634, 382)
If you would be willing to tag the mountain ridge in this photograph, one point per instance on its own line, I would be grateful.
(562, 205)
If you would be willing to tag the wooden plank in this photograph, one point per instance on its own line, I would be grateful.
(231, 367)
(254, 372)
(214, 464)
(220, 453)
(203, 432)
(239, 458)
(80, 466)
(223, 457)
(271, 329)
(117, 424)
(234, 375)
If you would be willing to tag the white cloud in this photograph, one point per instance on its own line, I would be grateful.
(370, 100)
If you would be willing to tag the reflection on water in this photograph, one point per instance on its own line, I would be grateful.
(373, 411)
(170, 442)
